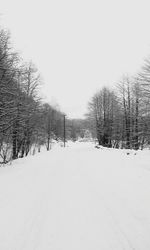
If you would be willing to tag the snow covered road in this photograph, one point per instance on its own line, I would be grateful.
(78, 198)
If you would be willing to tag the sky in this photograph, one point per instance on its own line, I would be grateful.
(79, 46)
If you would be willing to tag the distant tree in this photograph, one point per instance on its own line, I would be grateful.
(103, 110)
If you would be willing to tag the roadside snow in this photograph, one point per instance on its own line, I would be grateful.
(77, 198)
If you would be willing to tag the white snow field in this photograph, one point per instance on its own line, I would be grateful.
(77, 198)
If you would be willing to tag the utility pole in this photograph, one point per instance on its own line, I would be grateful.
(64, 131)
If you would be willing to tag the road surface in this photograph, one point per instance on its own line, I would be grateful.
(78, 198)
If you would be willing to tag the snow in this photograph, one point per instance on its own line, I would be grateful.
(77, 198)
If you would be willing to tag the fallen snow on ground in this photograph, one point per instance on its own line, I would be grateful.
(77, 198)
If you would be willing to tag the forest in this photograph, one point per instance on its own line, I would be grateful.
(120, 117)
(117, 117)
(25, 119)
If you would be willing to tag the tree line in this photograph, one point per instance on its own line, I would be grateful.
(120, 117)
(25, 120)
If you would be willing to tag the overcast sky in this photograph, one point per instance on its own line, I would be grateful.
(79, 45)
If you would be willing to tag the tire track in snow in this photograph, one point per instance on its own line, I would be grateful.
(116, 222)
